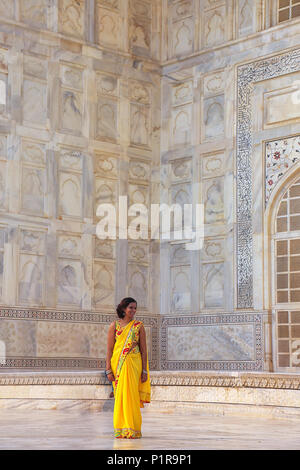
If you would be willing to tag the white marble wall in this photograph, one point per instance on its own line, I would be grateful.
(79, 126)
(206, 42)
(102, 98)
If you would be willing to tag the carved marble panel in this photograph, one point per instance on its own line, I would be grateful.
(109, 28)
(140, 125)
(182, 93)
(213, 83)
(141, 8)
(19, 337)
(138, 284)
(68, 282)
(140, 36)
(282, 106)
(113, 4)
(139, 92)
(246, 10)
(70, 194)
(213, 109)
(183, 37)
(107, 84)
(181, 125)
(71, 77)
(106, 166)
(179, 255)
(33, 189)
(104, 249)
(32, 241)
(212, 165)
(107, 119)
(31, 273)
(68, 245)
(212, 343)
(213, 285)
(138, 252)
(213, 197)
(213, 249)
(105, 191)
(34, 67)
(139, 170)
(180, 288)
(104, 284)
(71, 110)
(34, 102)
(182, 10)
(34, 12)
(71, 159)
(214, 23)
(181, 170)
(33, 152)
(60, 339)
(138, 194)
(71, 16)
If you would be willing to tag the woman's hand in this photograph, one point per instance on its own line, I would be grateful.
(144, 377)
(110, 377)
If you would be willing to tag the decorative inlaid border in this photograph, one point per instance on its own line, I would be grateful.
(247, 76)
(73, 317)
(217, 319)
(161, 379)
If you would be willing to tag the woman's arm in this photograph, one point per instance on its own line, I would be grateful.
(143, 349)
(110, 348)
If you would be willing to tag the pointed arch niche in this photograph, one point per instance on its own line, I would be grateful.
(282, 258)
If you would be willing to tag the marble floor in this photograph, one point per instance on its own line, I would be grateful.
(87, 430)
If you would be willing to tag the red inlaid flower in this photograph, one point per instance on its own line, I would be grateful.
(270, 182)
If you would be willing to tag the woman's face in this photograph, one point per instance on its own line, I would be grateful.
(130, 310)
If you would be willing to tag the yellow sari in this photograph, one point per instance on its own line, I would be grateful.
(129, 391)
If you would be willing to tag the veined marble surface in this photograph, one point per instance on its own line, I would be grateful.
(46, 429)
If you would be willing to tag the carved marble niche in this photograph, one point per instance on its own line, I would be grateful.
(71, 107)
(181, 126)
(213, 285)
(109, 24)
(181, 27)
(71, 17)
(140, 27)
(33, 177)
(213, 197)
(107, 120)
(104, 257)
(69, 275)
(34, 91)
(213, 111)
(31, 267)
(34, 12)
(181, 278)
(214, 23)
(246, 13)
(140, 114)
(70, 164)
(138, 284)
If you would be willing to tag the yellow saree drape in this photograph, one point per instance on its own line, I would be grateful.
(129, 391)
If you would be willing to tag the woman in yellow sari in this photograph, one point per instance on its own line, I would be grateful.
(127, 368)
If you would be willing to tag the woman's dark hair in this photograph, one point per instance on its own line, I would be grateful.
(123, 304)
